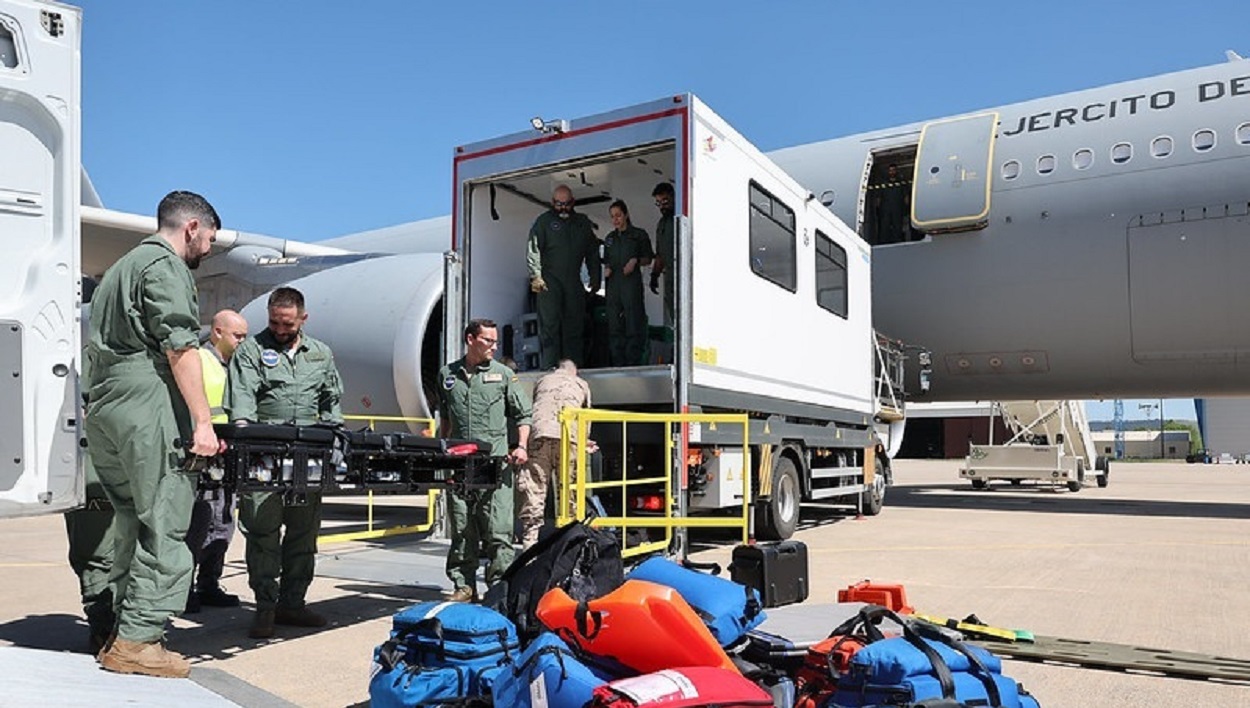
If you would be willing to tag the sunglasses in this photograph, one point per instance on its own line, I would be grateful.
(560, 202)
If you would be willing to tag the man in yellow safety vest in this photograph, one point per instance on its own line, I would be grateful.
(212, 517)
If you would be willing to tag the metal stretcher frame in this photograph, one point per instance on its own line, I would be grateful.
(304, 460)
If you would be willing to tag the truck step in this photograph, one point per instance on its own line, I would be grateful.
(835, 472)
(830, 492)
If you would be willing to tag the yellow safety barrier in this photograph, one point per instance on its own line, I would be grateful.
(575, 425)
(370, 532)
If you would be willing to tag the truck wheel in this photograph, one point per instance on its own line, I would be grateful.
(1103, 465)
(781, 515)
(980, 483)
(871, 500)
(1076, 484)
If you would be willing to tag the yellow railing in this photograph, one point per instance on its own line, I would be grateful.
(575, 425)
(370, 532)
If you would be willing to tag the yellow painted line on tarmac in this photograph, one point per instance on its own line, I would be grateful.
(31, 565)
(1027, 546)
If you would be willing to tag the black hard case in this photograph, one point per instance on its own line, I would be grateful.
(778, 570)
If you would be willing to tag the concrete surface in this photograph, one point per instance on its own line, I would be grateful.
(1160, 558)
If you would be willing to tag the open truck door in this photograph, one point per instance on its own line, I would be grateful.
(40, 287)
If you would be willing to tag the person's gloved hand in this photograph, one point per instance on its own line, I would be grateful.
(655, 282)
(538, 285)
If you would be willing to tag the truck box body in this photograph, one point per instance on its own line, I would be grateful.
(773, 307)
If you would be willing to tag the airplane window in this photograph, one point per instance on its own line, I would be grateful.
(1204, 140)
(1121, 153)
(1161, 146)
(8, 49)
(1045, 164)
(1243, 134)
(1083, 158)
(1011, 169)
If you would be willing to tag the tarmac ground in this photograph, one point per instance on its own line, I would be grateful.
(1159, 558)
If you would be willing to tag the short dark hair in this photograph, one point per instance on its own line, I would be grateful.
(475, 327)
(287, 297)
(619, 204)
(177, 208)
(662, 188)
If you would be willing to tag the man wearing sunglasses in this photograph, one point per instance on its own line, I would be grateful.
(560, 241)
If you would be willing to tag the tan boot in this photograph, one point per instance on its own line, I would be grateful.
(146, 658)
(262, 625)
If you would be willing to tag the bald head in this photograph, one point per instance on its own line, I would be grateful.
(562, 201)
(229, 329)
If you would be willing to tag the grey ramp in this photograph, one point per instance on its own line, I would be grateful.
(34, 677)
(807, 623)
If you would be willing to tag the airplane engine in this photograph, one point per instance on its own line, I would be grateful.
(382, 317)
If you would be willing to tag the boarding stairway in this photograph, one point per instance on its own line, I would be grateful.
(1050, 441)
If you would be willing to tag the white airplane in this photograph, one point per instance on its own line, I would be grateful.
(1087, 245)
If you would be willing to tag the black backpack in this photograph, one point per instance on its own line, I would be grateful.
(584, 561)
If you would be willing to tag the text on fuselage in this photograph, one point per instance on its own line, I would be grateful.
(1126, 106)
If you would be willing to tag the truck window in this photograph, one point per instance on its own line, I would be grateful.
(772, 239)
(830, 275)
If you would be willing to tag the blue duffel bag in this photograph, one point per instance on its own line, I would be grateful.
(548, 673)
(405, 686)
(476, 639)
(727, 608)
(923, 666)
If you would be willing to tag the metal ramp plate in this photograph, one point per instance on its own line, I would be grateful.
(1124, 657)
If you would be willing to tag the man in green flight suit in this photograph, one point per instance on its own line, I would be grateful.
(625, 250)
(665, 249)
(559, 242)
(145, 398)
(480, 399)
(282, 375)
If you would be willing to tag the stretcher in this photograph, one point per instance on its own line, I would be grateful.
(300, 459)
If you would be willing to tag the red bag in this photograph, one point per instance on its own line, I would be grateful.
(816, 680)
(688, 687)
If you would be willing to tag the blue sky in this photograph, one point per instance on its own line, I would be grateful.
(316, 119)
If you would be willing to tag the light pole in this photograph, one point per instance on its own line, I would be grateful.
(1148, 407)
(1162, 452)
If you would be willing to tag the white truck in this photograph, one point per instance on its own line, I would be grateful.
(773, 303)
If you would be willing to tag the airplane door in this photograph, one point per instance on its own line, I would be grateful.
(951, 189)
(40, 291)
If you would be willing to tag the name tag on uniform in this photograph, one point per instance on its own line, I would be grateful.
(269, 357)
(492, 378)
(315, 356)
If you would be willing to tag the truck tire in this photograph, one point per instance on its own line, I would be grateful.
(1103, 465)
(1076, 484)
(871, 500)
(781, 511)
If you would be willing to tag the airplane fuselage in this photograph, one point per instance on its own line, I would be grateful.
(1112, 257)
